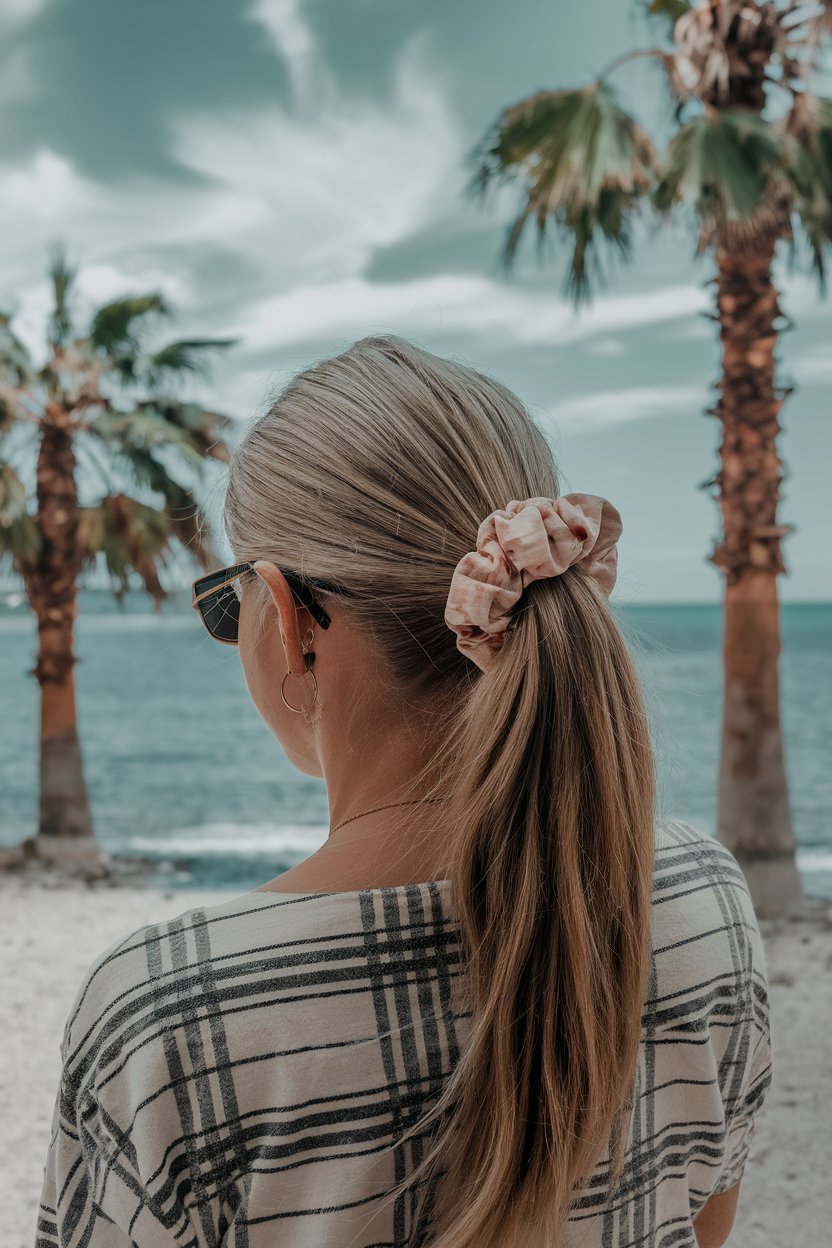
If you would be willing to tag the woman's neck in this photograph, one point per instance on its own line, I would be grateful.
(385, 849)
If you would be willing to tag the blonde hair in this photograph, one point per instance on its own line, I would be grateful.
(373, 470)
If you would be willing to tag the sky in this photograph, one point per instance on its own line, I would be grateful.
(292, 174)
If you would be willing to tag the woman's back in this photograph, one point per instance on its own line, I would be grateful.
(240, 1074)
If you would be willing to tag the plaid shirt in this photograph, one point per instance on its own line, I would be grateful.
(239, 1075)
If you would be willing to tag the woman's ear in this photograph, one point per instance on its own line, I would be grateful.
(287, 613)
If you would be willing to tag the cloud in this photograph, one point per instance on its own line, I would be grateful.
(604, 408)
(289, 200)
(43, 190)
(297, 204)
(115, 235)
(451, 302)
(812, 365)
(18, 12)
(607, 347)
(326, 191)
(284, 23)
(47, 196)
(698, 330)
(18, 80)
(312, 85)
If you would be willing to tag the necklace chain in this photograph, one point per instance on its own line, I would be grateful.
(388, 806)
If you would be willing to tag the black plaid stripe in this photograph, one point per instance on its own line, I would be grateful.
(241, 1073)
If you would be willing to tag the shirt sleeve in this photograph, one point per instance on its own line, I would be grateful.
(754, 1056)
(69, 1213)
(94, 1193)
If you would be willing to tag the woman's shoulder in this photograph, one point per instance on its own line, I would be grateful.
(706, 1022)
(698, 881)
(146, 980)
(681, 835)
(691, 864)
(136, 975)
(707, 950)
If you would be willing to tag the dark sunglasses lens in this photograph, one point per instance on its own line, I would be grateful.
(221, 613)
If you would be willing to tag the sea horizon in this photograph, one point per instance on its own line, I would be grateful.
(225, 809)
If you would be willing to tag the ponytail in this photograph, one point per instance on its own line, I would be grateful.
(551, 871)
(371, 470)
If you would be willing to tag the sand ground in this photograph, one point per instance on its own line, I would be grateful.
(51, 930)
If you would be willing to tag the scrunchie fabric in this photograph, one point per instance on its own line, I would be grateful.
(527, 540)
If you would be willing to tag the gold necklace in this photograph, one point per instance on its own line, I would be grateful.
(388, 806)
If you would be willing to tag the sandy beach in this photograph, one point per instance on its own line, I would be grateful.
(52, 930)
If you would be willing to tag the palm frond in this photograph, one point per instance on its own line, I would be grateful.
(16, 405)
(190, 355)
(729, 166)
(613, 220)
(818, 23)
(62, 276)
(584, 164)
(12, 494)
(146, 428)
(187, 519)
(205, 429)
(132, 537)
(15, 364)
(672, 10)
(19, 537)
(116, 327)
(810, 125)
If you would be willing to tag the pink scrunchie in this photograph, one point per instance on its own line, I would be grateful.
(530, 539)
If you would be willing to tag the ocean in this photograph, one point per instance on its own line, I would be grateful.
(181, 768)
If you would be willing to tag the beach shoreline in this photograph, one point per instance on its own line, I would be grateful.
(53, 927)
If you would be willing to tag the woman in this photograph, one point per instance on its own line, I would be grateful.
(503, 1004)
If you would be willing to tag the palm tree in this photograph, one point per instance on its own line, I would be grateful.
(103, 397)
(749, 180)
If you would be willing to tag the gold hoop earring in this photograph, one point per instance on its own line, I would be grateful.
(303, 710)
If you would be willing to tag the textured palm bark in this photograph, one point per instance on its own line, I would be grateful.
(754, 819)
(51, 585)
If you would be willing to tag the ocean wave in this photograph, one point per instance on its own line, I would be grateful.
(222, 839)
(812, 858)
(109, 624)
(230, 838)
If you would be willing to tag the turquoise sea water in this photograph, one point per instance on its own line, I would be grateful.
(181, 768)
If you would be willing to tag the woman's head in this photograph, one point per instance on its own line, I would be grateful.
(373, 471)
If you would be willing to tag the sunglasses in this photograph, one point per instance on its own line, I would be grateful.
(217, 598)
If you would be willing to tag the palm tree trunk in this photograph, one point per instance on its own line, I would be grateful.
(64, 806)
(65, 829)
(753, 818)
